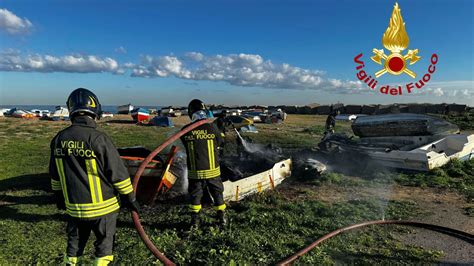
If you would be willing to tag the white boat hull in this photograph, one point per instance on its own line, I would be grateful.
(269, 179)
(429, 156)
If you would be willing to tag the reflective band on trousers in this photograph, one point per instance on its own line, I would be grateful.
(195, 208)
(70, 260)
(102, 261)
(220, 207)
(204, 174)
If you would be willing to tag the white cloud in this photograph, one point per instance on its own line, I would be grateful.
(438, 92)
(194, 56)
(457, 91)
(460, 89)
(163, 66)
(248, 70)
(48, 63)
(13, 24)
(121, 50)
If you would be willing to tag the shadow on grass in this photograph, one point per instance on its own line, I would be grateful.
(10, 213)
(19, 191)
(33, 189)
(26, 182)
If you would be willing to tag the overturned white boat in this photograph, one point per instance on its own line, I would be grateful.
(429, 156)
(402, 141)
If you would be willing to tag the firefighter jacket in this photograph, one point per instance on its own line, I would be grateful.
(86, 166)
(202, 145)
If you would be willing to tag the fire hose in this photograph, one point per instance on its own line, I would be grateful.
(445, 230)
(136, 218)
(158, 254)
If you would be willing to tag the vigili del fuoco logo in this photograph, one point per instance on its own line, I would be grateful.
(395, 40)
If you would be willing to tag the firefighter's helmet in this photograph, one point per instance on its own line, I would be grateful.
(194, 106)
(83, 102)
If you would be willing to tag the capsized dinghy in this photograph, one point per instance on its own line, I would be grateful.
(404, 124)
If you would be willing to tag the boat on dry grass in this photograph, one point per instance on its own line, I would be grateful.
(61, 113)
(140, 115)
(18, 113)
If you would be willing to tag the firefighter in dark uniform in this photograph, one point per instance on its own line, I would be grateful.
(222, 121)
(331, 121)
(88, 176)
(202, 148)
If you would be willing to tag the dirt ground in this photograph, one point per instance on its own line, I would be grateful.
(439, 207)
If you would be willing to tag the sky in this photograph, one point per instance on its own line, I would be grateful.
(227, 52)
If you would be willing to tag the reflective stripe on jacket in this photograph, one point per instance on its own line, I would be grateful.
(87, 168)
(202, 145)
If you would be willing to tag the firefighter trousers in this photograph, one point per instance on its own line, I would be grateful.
(78, 232)
(196, 191)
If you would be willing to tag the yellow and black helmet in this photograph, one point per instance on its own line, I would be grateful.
(194, 106)
(83, 102)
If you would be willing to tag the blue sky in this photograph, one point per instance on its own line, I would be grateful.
(232, 52)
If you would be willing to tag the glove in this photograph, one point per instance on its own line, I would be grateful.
(130, 202)
(59, 199)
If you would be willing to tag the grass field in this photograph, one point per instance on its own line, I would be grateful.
(264, 228)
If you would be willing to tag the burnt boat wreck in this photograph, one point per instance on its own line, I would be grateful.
(165, 176)
(402, 141)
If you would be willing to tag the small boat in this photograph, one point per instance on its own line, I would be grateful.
(170, 111)
(404, 124)
(413, 153)
(106, 114)
(163, 177)
(60, 113)
(429, 156)
(3, 111)
(40, 113)
(125, 109)
(269, 179)
(22, 114)
(140, 115)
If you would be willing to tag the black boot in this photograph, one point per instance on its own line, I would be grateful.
(195, 220)
(221, 219)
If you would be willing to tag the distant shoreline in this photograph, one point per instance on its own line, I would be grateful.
(28, 107)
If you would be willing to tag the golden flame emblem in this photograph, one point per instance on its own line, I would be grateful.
(395, 39)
